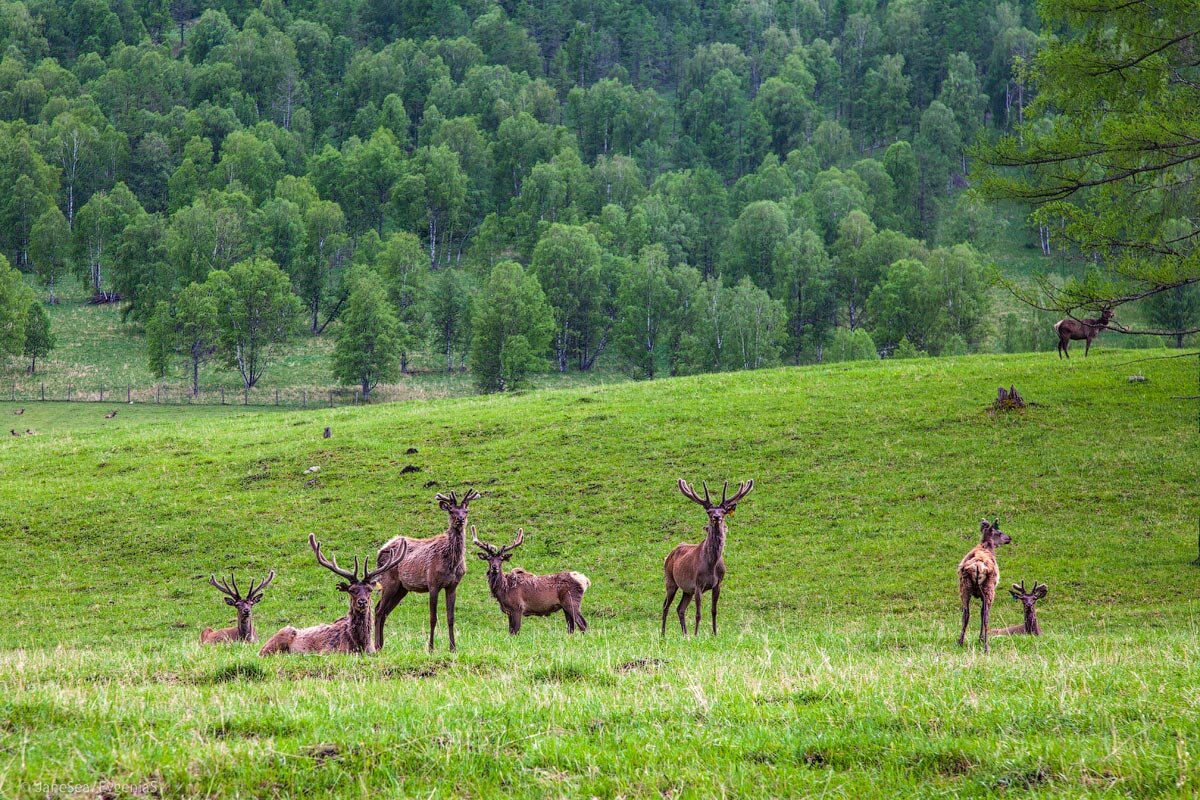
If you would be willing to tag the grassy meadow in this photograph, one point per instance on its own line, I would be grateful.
(835, 672)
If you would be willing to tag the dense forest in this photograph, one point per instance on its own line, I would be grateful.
(670, 186)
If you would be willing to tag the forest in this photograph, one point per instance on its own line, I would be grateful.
(515, 187)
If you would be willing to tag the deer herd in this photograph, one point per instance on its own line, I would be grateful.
(438, 564)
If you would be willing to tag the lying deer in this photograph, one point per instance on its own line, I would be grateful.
(522, 593)
(243, 631)
(698, 568)
(432, 565)
(351, 633)
(1089, 329)
(978, 574)
(1028, 599)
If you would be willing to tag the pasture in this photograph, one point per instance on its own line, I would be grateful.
(835, 672)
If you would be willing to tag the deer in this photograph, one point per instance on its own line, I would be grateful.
(351, 633)
(1028, 600)
(243, 631)
(522, 593)
(433, 565)
(978, 574)
(1089, 329)
(698, 568)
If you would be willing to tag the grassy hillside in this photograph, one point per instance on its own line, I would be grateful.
(835, 671)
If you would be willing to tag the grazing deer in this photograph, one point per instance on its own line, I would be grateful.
(697, 568)
(1028, 599)
(243, 631)
(19, 411)
(1089, 329)
(432, 565)
(351, 633)
(111, 414)
(978, 574)
(522, 593)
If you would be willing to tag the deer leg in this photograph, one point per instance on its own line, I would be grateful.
(699, 602)
(681, 608)
(387, 602)
(716, 593)
(966, 618)
(451, 598)
(580, 622)
(666, 606)
(983, 625)
(433, 594)
(514, 623)
(1087, 346)
(570, 620)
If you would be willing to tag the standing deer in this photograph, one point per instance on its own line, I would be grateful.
(432, 565)
(697, 568)
(978, 574)
(1028, 599)
(522, 593)
(1089, 329)
(243, 631)
(351, 633)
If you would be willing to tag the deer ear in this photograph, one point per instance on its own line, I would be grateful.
(507, 556)
(254, 600)
(1040, 592)
(1015, 594)
(729, 511)
(482, 556)
(377, 586)
(444, 505)
(230, 601)
(343, 587)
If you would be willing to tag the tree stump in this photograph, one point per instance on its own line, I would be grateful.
(1008, 400)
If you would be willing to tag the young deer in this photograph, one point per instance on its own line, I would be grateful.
(697, 568)
(1089, 329)
(351, 633)
(522, 593)
(243, 631)
(978, 574)
(432, 565)
(1028, 599)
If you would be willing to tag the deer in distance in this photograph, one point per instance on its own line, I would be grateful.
(433, 565)
(522, 593)
(1089, 329)
(698, 568)
(1028, 600)
(243, 631)
(978, 574)
(350, 634)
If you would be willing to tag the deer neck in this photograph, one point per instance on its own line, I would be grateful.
(456, 535)
(498, 584)
(1031, 624)
(714, 543)
(245, 628)
(360, 629)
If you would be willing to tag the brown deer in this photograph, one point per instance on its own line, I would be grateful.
(522, 593)
(432, 565)
(978, 574)
(351, 633)
(698, 568)
(243, 631)
(1028, 600)
(1089, 329)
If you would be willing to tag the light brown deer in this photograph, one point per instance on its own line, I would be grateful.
(1089, 329)
(243, 631)
(351, 633)
(1028, 601)
(432, 565)
(698, 568)
(523, 594)
(978, 574)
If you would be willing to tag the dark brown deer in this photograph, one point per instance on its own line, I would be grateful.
(523, 594)
(351, 633)
(698, 568)
(1028, 600)
(432, 565)
(243, 631)
(1089, 329)
(978, 574)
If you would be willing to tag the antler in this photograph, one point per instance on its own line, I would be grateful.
(475, 540)
(369, 576)
(450, 498)
(690, 493)
(1039, 590)
(508, 548)
(469, 496)
(256, 589)
(492, 550)
(743, 490)
(332, 566)
(224, 588)
(1020, 588)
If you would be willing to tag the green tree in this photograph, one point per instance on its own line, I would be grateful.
(755, 241)
(160, 340)
(97, 227)
(39, 339)
(256, 313)
(449, 304)
(851, 345)
(197, 328)
(566, 262)
(645, 303)
(368, 340)
(512, 328)
(49, 249)
(15, 298)
(1175, 310)
(906, 305)
(404, 268)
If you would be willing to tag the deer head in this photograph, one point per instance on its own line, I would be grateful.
(1106, 314)
(244, 605)
(457, 509)
(1030, 598)
(358, 588)
(496, 556)
(717, 512)
(991, 535)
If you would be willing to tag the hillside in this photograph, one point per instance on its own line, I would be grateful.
(835, 669)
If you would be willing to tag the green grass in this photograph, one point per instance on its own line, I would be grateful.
(835, 672)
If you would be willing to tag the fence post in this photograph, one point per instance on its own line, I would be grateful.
(128, 393)
(276, 397)
(304, 398)
(331, 398)
(245, 397)
(43, 392)
(222, 395)
(101, 393)
(69, 389)
(14, 391)
(158, 393)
